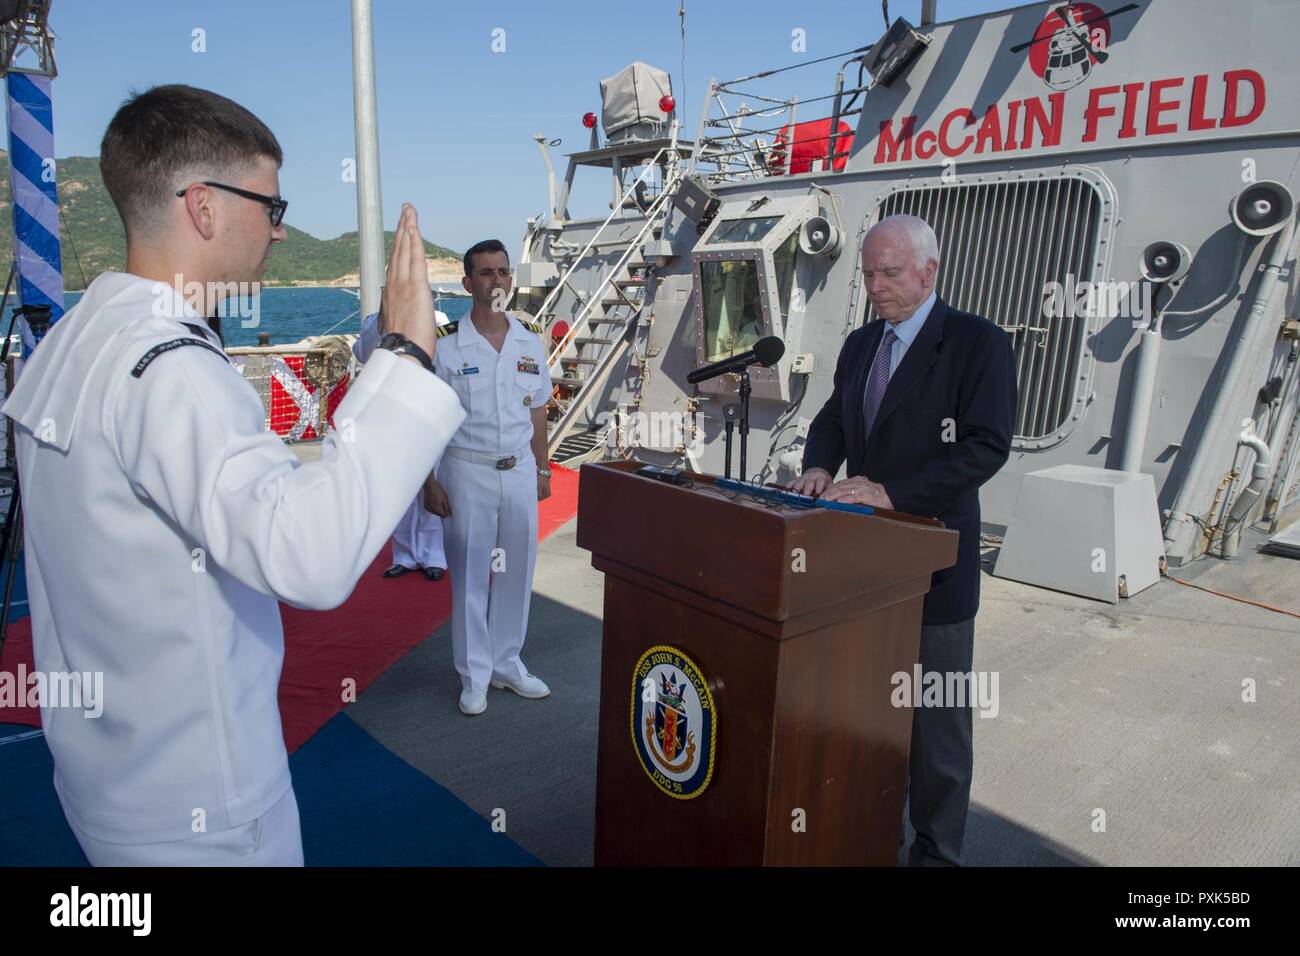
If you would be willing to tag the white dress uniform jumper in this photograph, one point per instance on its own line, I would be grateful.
(490, 476)
(163, 521)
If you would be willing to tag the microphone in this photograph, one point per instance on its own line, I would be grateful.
(766, 352)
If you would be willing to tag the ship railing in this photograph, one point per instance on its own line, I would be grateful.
(300, 386)
(737, 153)
(665, 155)
(590, 385)
(593, 299)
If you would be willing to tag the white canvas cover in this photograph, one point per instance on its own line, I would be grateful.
(632, 95)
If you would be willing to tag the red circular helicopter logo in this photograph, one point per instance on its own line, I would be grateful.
(1071, 38)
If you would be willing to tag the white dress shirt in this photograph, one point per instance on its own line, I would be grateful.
(906, 334)
(499, 390)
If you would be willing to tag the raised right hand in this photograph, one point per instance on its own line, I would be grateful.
(409, 306)
(812, 482)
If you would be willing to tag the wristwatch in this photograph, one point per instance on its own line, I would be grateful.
(396, 342)
(544, 472)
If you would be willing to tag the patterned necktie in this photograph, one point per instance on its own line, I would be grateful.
(877, 382)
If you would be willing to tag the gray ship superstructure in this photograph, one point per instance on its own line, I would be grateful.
(1113, 186)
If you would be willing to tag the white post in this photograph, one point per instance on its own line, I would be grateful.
(1144, 389)
(370, 220)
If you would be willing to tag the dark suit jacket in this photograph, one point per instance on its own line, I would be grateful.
(959, 367)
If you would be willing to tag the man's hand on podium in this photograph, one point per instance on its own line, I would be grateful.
(812, 482)
(859, 491)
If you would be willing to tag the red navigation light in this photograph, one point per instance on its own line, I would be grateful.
(667, 103)
(589, 120)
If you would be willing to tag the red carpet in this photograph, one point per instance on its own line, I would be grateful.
(379, 623)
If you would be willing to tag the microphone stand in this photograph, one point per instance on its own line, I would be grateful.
(729, 424)
(766, 352)
(730, 414)
(744, 422)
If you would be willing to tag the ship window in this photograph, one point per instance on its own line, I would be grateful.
(1000, 245)
(744, 230)
(733, 312)
(783, 260)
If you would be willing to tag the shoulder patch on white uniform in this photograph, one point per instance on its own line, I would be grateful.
(531, 326)
(450, 328)
(164, 347)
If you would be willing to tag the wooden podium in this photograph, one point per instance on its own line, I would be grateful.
(745, 698)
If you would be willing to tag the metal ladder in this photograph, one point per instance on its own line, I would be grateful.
(606, 324)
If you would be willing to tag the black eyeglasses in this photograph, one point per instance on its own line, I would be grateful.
(275, 207)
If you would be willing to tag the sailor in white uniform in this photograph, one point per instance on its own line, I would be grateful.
(417, 539)
(490, 480)
(163, 521)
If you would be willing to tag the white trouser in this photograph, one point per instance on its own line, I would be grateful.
(274, 839)
(417, 539)
(490, 510)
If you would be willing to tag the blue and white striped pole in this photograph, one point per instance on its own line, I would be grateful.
(35, 194)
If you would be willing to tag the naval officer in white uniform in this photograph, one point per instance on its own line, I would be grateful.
(163, 521)
(417, 539)
(490, 480)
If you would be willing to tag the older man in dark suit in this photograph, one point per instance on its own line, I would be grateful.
(922, 414)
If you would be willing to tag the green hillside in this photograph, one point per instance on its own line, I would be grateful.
(92, 240)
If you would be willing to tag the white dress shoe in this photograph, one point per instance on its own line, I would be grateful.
(530, 686)
(473, 702)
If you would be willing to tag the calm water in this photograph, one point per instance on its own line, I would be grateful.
(292, 314)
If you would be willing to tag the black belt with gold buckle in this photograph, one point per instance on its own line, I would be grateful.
(505, 464)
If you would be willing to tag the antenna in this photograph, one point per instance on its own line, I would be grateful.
(681, 15)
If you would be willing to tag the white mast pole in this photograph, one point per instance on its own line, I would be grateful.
(370, 221)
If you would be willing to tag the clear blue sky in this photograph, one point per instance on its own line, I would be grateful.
(455, 118)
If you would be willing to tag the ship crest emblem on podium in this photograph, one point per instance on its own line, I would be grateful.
(674, 722)
(668, 727)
